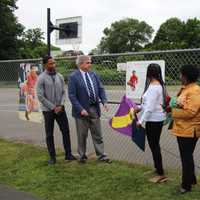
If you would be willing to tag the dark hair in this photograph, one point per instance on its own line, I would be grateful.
(32, 65)
(190, 72)
(154, 72)
(45, 59)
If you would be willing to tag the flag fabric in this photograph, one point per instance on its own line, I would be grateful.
(138, 135)
(124, 122)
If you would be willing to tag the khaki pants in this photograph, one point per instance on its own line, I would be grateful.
(92, 123)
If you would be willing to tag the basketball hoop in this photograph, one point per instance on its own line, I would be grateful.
(75, 46)
(72, 35)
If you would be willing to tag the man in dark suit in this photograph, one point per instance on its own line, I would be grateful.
(85, 90)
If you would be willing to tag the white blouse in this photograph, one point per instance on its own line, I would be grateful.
(151, 107)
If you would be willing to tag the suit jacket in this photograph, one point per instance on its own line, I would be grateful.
(78, 94)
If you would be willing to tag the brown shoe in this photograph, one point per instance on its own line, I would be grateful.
(158, 179)
(26, 115)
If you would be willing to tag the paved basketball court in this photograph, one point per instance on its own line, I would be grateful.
(8, 193)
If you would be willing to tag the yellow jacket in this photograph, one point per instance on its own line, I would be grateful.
(187, 118)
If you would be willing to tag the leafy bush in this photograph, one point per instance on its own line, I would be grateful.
(112, 77)
(69, 64)
(66, 67)
(171, 81)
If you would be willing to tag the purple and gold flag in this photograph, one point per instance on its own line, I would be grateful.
(122, 120)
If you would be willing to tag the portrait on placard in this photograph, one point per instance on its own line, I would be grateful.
(29, 109)
(136, 76)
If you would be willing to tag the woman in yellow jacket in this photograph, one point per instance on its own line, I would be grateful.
(186, 124)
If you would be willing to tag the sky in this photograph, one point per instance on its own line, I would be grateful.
(99, 14)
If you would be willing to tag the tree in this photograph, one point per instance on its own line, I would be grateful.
(192, 33)
(33, 37)
(32, 45)
(176, 34)
(10, 30)
(126, 35)
(170, 35)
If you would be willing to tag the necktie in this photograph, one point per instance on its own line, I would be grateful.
(89, 86)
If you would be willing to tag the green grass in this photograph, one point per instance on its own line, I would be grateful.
(25, 168)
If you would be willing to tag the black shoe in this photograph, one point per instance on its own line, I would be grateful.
(183, 190)
(70, 157)
(83, 159)
(52, 161)
(194, 182)
(104, 159)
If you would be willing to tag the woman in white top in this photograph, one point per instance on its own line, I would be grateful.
(152, 115)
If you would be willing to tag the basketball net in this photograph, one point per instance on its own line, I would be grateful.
(75, 46)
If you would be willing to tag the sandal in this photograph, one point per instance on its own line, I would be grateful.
(158, 179)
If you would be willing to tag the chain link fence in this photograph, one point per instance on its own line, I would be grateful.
(119, 147)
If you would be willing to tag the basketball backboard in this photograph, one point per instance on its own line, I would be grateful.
(72, 33)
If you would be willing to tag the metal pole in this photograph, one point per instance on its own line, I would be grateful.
(50, 28)
(48, 32)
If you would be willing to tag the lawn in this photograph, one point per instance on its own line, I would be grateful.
(24, 167)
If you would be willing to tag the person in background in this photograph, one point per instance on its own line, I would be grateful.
(51, 94)
(85, 90)
(152, 116)
(186, 123)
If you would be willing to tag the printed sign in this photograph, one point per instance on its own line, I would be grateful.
(28, 102)
(136, 77)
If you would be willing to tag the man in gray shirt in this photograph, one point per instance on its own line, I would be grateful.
(51, 94)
